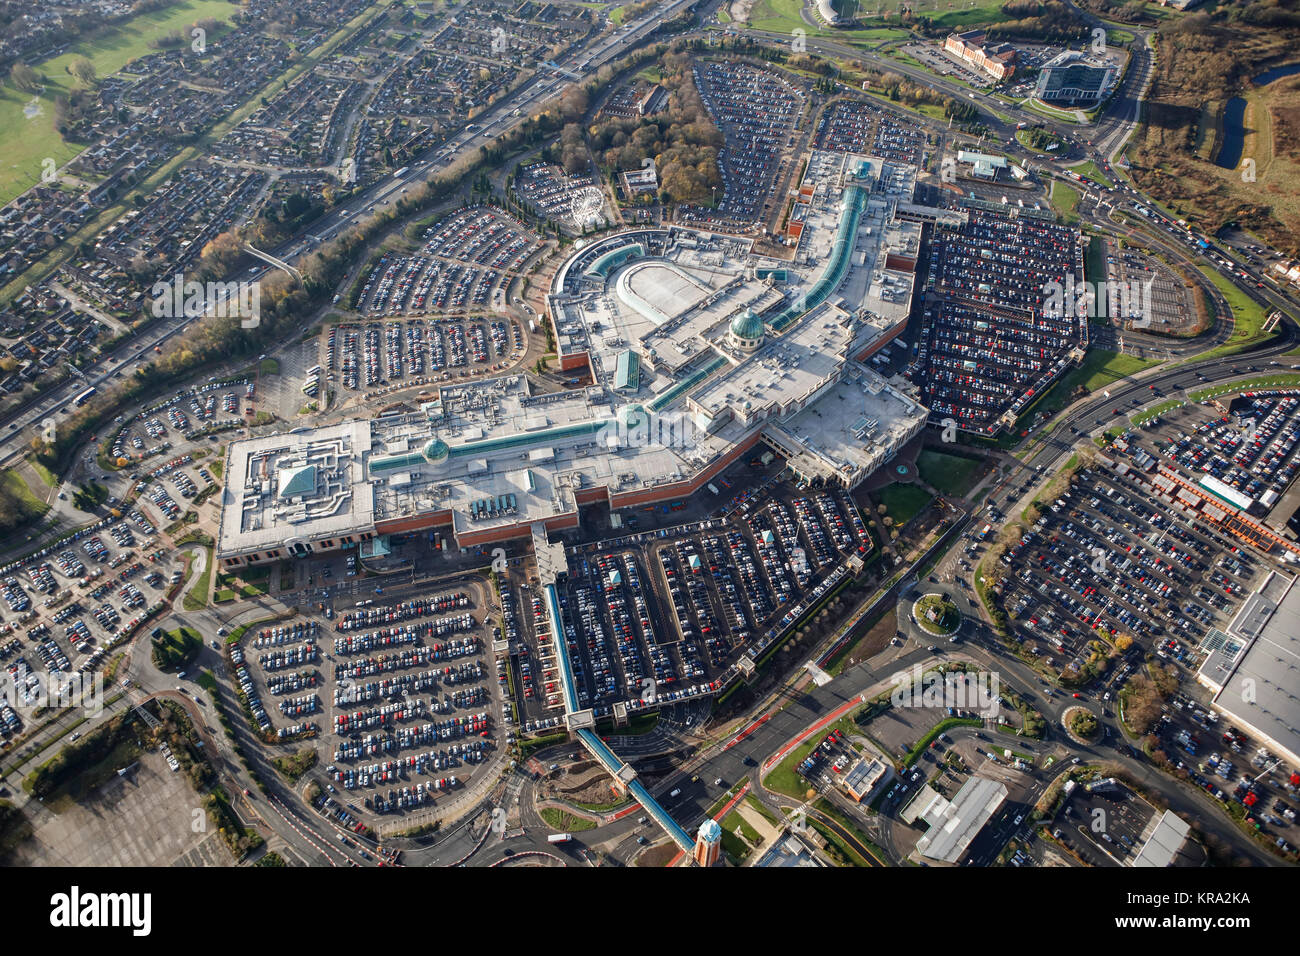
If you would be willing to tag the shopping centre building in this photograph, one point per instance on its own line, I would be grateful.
(700, 350)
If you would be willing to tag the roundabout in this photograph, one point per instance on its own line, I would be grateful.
(1081, 724)
(936, 614)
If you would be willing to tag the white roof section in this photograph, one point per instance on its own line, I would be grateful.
(296, 487)
(955, 824)
(1162, 847)
(1260, 686)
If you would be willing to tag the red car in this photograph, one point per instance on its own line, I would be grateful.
(1078, 696)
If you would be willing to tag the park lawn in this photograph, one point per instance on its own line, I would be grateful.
(1065, 200)
(950, 474)
(723, 15)
(738, 826)
(28, 141)
(903, 502)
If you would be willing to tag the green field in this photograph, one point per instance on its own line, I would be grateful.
(1065, 200)
(782, 16)
(197, 596)
(30, 139)
(1285, 380)
(1038, 106)
(903, 502)
(1248, 317)
(34, 506)
(1099, 370)
(1089, 170)
(1155, 411)
(950, 474)
(1094, 265)
(564, 821)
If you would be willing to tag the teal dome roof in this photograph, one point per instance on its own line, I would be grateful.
(747, 325)
(631, 414)
(436, 450)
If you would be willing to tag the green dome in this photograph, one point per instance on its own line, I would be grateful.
(436, 450)
(747, 326)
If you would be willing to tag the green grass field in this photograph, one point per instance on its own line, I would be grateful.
(29, 139)
(950, 474)
(1038, 106)
(1065, 200)
(1285, 380)
(1094, 264)
(50, 478)
(34, 506)
(1248, 317)
(1155, 411)
(903, 502)
(1099, 370)
(1089, 170)
(564, 821)
(197, 596)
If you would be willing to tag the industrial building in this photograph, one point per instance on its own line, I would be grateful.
(699, 350)
(1076, 78)
(1251, 669)
(954, 824)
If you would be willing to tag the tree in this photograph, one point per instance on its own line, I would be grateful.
(24, 78)
(83, 70)
(1084, 723)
